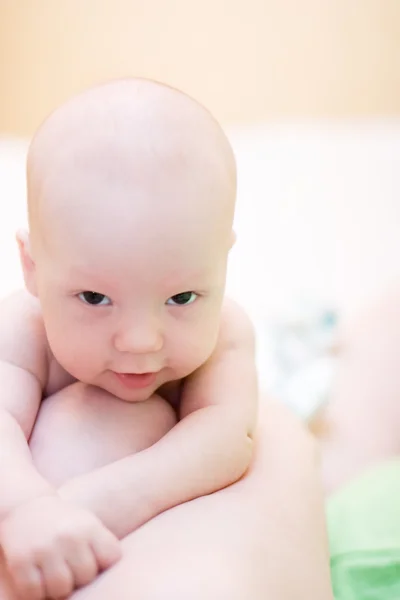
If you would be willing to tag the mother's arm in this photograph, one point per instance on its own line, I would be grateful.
(262, 538)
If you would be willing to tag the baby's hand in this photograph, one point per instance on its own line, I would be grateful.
(52, 547)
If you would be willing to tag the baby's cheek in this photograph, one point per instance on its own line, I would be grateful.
(190, 352)
(75, 350)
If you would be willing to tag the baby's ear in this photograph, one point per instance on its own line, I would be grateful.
(28, 266)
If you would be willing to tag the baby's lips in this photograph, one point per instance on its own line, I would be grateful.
(136, 380)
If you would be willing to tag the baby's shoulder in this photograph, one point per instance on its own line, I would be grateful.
(236, 328)
(23, 340)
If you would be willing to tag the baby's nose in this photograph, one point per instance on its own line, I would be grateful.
(140, 338)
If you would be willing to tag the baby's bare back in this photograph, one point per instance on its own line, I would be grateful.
(75, 428)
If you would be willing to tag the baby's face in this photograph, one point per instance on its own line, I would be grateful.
(131, 299)
(131, 192)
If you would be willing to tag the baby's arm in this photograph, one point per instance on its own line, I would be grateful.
(22, 378)
(50, 546)
(207, 450)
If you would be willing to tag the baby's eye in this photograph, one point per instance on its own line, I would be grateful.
(182, 299)
(94, 298)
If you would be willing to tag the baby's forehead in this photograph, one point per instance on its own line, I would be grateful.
(150, 258)
(177, 210)
(147, 239)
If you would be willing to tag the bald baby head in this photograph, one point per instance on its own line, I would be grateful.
(131, 152)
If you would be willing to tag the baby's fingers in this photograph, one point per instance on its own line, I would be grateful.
(106, 548)
(83, 564)
(57, 577)
(28, 581)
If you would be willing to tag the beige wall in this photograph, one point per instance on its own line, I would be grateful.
(247, 60)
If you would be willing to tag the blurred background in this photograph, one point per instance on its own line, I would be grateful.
(309, 94)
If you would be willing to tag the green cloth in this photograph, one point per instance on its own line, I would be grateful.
(364, 536)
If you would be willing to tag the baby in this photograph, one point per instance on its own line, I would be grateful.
(128, 381)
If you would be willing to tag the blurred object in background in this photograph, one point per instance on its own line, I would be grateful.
(303, 352)
(310, 96)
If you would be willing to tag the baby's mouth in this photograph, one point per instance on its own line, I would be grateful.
(136, 380)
